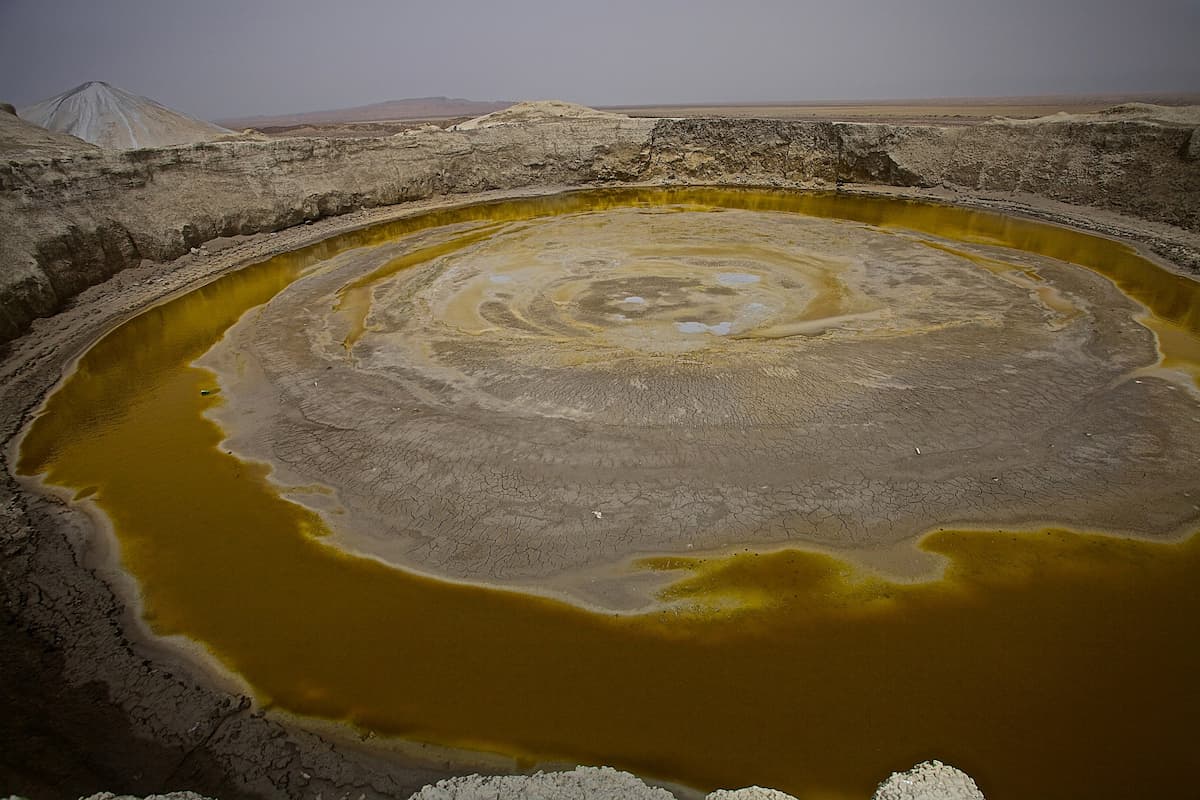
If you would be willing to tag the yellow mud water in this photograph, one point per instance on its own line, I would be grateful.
(1047, 664)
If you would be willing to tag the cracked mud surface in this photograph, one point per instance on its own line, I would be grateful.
(702, 378)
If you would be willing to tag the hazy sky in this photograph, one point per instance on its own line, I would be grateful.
(224, 58)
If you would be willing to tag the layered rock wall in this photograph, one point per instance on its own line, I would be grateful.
(1136, 167)
(72, 218)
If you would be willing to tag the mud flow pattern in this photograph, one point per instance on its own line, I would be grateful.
(539, 394)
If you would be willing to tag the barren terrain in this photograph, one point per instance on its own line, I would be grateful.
(700, 379)
(386, 119)
(945, 111)
(92, 238)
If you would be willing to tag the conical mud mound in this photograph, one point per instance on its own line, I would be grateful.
(118, 120)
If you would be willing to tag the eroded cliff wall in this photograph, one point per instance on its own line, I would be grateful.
(72, 218)
(1141, 168)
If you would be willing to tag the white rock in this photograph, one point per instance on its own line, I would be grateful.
(749, 793)
(929, 780)
(167, 796)
(581, 783)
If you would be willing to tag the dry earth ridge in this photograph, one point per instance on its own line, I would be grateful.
(76, 214)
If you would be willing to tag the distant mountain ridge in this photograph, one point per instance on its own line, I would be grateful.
(115, 119)
(407, 108)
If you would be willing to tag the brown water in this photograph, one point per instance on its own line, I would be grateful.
(1047, 664)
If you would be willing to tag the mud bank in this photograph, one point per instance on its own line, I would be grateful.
(75, 216)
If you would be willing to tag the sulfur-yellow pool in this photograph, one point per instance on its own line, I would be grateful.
(1046, 663)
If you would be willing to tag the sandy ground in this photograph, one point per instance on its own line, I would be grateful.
(948, 111)
(181, 733)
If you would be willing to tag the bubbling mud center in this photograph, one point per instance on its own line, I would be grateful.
(720, 486)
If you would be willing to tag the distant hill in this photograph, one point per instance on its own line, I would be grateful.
(118, 120)
(411, 108)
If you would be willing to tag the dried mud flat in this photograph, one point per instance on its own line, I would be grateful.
(148, 721)
(733, 378)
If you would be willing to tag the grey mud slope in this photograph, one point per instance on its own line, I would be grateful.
(115, 119)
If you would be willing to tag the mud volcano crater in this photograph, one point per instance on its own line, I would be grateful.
(703, 374)
(704, 431)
